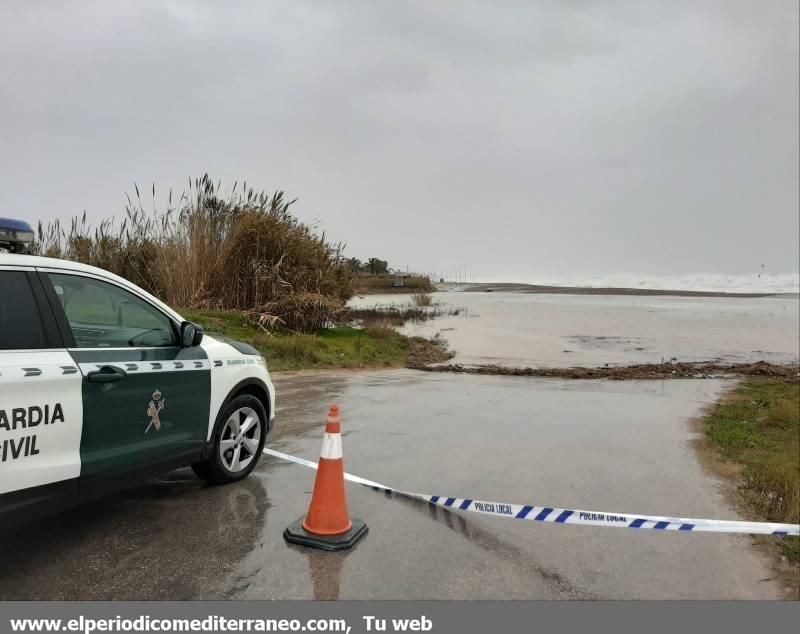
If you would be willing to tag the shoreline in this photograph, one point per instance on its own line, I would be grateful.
(511, 287)
(635, 372)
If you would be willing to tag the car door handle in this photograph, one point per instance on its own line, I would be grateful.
(106, 374)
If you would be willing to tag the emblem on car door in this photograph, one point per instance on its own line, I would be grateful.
(153, 410)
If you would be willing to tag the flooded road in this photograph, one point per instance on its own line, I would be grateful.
(519, 329)
(596, 445)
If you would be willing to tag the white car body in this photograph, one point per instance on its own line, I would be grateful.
(46, 395)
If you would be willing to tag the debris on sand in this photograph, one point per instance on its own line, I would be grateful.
(423, 353)
(641, 371)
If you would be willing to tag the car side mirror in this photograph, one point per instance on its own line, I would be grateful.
(191, 334)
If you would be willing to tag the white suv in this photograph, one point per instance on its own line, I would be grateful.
(101, 384)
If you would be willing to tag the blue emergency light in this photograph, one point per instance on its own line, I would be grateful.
(16, 236)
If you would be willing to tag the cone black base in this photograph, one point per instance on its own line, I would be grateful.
(296, 534)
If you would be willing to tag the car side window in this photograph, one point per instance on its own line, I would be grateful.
(102, 315)
(20, 323)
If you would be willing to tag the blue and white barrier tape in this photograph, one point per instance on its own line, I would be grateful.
(569, 516)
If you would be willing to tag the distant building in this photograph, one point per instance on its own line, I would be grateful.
(400, 280)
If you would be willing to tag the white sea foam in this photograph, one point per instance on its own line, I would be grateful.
(750, 283)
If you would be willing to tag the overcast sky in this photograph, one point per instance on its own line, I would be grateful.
(522, 138)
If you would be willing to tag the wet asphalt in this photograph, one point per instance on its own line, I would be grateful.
(596, 445)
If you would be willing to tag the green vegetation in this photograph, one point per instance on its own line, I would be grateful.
(373, 266)
(374, 276)
(339, 347)
(757, 428)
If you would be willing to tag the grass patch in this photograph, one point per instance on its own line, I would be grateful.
(376, 346)
(757, 429)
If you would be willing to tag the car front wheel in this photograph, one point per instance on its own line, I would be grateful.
(238, 439)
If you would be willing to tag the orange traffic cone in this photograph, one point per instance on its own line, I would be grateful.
(327, 524)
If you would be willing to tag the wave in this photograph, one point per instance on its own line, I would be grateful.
(749, 283)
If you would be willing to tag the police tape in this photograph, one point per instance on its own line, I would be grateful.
(568, 516)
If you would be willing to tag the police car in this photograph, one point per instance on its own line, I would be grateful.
(16, 236)
(101, 384)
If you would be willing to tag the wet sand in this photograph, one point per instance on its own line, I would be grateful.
(657, 371)
(597, 445)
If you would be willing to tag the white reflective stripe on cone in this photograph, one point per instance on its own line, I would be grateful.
(331, 447)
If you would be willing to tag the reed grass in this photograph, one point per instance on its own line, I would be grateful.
(244, 251)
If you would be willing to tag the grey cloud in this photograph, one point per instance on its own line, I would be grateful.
(521, 138)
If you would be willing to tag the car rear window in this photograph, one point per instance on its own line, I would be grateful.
(20, 323)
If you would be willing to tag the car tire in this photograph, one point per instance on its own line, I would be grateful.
(237, 441)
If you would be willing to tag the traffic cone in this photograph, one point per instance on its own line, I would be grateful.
(327, 524)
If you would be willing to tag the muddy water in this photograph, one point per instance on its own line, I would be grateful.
(517, 329)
